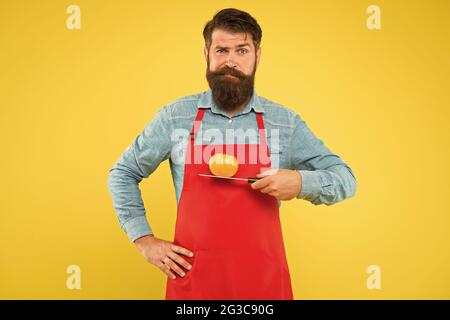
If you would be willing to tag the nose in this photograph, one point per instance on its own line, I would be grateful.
(230, 63)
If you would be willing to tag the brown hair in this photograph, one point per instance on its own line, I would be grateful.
(233, 20)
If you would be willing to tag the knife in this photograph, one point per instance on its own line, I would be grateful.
(249, 180)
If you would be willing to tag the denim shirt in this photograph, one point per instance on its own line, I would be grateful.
(326, 179)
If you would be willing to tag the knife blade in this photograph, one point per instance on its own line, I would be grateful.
(249, 179)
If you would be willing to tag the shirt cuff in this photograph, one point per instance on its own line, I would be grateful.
(311, 184)
(137, 228)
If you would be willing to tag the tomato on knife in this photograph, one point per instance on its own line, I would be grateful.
(224, 165)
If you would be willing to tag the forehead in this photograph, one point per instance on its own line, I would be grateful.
(224, 38)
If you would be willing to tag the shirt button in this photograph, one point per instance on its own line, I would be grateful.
(230, 121)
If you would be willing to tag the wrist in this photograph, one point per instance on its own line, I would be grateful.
(144, 239)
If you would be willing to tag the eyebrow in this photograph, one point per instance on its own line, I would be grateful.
(238, 46)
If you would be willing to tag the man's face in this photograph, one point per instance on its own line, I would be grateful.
(231, 66)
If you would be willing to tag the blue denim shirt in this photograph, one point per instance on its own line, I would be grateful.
(326, 179)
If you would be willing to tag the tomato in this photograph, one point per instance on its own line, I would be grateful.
(222, 164)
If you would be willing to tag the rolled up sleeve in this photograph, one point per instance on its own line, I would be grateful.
(326, 178)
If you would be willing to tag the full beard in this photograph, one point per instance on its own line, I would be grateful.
(230, 93)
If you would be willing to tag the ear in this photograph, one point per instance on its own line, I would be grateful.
(205, 52)
(258, 56)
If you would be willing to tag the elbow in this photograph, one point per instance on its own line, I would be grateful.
(121, 176)
(349, 190)
(347, 187)
(343, 188)
(351, 183)
(352, 191)
(115, 180)
(111, 180)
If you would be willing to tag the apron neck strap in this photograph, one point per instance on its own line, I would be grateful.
(262, 132)
(197, 122)
(259, 120)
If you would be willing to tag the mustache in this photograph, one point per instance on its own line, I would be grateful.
(228, 71)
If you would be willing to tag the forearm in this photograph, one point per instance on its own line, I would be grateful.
(128, 203)
(327, 186)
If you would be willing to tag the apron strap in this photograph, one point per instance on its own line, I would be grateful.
(259, 120)
(197, 122)
(262, 132)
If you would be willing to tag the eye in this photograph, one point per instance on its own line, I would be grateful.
(220, 50)
(243, 51)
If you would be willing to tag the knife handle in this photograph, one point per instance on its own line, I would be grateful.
(251, 180)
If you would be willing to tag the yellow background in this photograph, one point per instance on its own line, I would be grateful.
(72, 100)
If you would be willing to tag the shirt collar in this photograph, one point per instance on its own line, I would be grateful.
(206, 101)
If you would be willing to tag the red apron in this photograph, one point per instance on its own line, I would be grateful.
(233, 230)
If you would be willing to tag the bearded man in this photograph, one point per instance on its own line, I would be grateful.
(228, 241)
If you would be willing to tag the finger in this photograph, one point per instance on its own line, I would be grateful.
(182, 250)
(267, 189)
(166, 269)
(261, 183)
(179, 260)
(174, 267)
